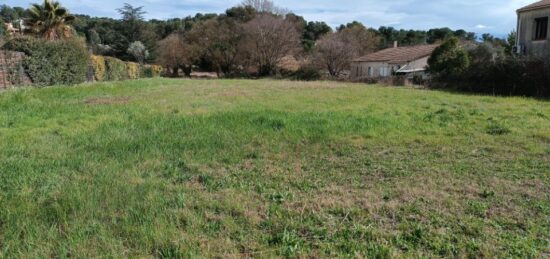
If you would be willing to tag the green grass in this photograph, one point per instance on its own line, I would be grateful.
(231, 168)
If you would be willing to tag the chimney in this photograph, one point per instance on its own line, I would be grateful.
(395, 44)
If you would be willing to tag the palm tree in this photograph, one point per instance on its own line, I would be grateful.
(50, 20)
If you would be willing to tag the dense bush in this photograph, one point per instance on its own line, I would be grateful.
(66, 62)
(98, 64)
(418, 80)
(116, 69)
(112, 69)
(3, 31)
(23, 44)
(147, 72)
(491, 71)
(448, 60)
(510, 76)
(133, 70)
(150, 71)
(52, 62)
(157, 70)
(306, 74)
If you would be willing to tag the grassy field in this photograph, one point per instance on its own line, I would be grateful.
(183, 168)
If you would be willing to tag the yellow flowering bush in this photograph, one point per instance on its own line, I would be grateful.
(98, 64)
(133, 70)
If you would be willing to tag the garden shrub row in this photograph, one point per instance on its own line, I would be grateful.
(486, 69)
(98, 65)
(52, 62)
(113, 69)
(513, 76)
(150, 71)
(67, 62)
(116, 69)
(133, 70)
(3, 31)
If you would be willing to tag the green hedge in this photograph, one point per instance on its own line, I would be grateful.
(150, 71)
(495, 73)
(306, 74)
(133, 70)
(66, 62)
(116, 69)
(3, 31)
(63, 62)
(98, 65)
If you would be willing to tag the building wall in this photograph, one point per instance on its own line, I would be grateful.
(383, 69)
(377, 69)
(526, 33)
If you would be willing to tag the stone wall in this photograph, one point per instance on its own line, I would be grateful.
(12, 72)
(526, 33)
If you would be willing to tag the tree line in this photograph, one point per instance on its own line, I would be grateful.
(251, 38)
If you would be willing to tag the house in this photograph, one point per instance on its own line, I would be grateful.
(15, 27)
(407, 61)
(11, 30)
(533, 30)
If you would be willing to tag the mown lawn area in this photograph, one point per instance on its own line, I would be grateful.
(236, 168)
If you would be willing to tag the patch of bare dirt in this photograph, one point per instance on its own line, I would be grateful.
(107, 100)
(205, 75)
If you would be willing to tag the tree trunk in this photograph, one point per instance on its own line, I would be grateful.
(175, 71)
(187, 70)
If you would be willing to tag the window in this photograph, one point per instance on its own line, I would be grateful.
(541, 28)
(370, 71)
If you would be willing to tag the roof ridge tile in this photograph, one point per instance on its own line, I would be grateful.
(399, 54)
(536, 5)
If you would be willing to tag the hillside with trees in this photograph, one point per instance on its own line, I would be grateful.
(226, 43)
(257, 38)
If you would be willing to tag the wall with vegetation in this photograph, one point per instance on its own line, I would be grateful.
(65, 62)
(12, 72)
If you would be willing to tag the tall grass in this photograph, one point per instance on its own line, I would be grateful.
(172, 168)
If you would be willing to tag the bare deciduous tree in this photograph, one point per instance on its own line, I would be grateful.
(265, 6)
(334, 54)
(176, 54)
(363, 40)
(268, 39)
(218, 40)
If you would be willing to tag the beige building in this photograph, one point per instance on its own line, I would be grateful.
(11, 30)
(533, 30)
(397, 60)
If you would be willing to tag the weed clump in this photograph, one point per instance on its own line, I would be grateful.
(496, 129)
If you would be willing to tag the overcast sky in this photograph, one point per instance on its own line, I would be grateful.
(493, 16)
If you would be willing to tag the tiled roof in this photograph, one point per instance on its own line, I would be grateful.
(537, 5)
(399, 55)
